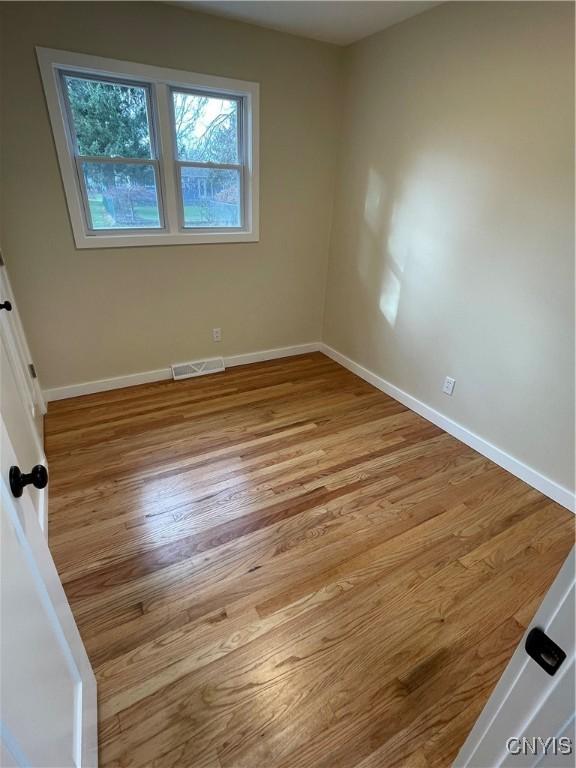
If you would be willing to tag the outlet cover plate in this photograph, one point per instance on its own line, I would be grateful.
(448, 387)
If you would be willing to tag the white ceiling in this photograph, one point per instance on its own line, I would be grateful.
(333, 21)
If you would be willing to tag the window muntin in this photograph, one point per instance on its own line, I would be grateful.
(114, 150)
(154, 185)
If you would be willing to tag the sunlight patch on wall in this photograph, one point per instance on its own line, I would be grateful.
(442, 199)
(390, 296)
(439, 200)
(398, 243)
(375, 197)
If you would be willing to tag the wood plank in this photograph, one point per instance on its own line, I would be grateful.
(281, 566)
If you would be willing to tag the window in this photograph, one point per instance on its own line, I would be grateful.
(208, 157)
(114, 151)
(152, 156)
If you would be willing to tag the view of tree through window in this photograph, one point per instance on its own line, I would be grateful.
(211, 197)
(121, 195)
(110, 121)
(206, 129)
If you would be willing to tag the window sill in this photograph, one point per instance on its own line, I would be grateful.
(129, 240)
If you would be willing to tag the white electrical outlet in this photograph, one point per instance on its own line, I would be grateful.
(216, 334)
(448, 387)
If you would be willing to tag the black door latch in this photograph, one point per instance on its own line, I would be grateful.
(544, 651)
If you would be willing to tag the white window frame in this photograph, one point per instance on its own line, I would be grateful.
(160, 82)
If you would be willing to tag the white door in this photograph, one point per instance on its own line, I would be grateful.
(529, 719)
(47, 687)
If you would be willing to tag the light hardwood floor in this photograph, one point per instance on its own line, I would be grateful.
(282, 567)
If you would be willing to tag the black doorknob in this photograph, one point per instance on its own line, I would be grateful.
(6, 305)
(18, 480)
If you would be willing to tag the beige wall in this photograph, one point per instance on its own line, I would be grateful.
(102, 313)
(452, 247)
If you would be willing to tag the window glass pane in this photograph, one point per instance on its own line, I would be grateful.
(109, 119)
(121, 196)
(211, 197)
(206, 128)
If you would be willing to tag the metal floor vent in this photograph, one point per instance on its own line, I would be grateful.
(197, 368)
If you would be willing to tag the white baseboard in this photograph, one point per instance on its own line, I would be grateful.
(516, 467)
(272, 354)
(146, 377)
(102, 385)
